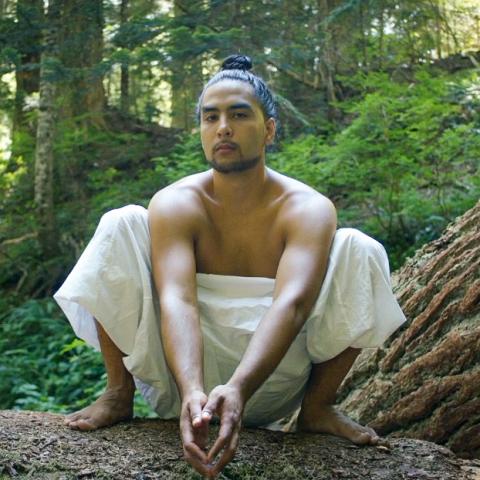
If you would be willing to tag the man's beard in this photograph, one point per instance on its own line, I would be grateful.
(234, 167)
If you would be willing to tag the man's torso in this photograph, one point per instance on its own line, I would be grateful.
(241, 241)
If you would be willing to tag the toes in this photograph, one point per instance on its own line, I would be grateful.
(362, 435)
(80, 421)
(367, 437)
(374, 438)
(83, 424)
(72, 417)
(362, 438)
(72, 425)
(86, 424)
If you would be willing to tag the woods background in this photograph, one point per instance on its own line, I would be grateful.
(380, 110)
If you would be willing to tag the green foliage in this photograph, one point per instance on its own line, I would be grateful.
(41, 361)
(107, 170)
(44, 367)
(185, 159)
(405, 166)
(398, 153)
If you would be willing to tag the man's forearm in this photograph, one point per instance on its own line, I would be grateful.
(269, 344)
(183, 344)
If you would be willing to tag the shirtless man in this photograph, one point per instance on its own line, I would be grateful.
(243, 219)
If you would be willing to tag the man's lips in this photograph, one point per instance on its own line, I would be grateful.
(225, 147)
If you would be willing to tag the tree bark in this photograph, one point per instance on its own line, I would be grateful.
(81, 41)
(44, 156)
(438, 29)
(29, 15)
(124, 73)
(186, 82)
(425, 382)
(38, 445)
(327, 69)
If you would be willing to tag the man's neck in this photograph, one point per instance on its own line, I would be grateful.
(239, 192)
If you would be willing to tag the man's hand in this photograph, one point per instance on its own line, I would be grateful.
(228, 403)
(194, 431)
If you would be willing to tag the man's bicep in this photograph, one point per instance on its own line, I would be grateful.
(172, 253)
(304, 261)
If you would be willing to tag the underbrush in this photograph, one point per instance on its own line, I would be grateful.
(44, 367)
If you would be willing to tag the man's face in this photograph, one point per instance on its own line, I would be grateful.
(233, 129)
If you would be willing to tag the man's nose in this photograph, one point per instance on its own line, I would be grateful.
(224, 128)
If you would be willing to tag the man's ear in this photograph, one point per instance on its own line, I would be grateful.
(270, 128)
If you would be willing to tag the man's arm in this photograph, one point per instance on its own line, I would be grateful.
(302, 267)
(172, 230)
(311, 225)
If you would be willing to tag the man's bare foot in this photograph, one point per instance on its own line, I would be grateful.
(326, 419)
(113, 406)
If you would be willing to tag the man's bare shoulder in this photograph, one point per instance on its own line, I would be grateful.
(180, 200)
(302, 204)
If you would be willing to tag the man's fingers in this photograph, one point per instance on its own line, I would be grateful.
(195, 409)
(201, 468)
(227, 455)
(210, 407)
(224, 437)
(206, 415)
(192, 450)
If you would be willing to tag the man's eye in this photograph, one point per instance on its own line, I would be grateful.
(210, 118)
(239, 115)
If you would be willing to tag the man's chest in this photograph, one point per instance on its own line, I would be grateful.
(240, 246)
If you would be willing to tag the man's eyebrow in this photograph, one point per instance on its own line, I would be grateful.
(235, 106)
(238, 106)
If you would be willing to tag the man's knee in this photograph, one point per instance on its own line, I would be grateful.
(130, 215)
(360, 243)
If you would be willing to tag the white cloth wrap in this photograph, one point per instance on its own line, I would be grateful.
(112, 282)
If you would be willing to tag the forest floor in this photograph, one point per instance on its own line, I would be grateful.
(38, 446)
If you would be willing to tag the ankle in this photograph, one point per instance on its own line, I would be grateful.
(315, 402)
(125, 388)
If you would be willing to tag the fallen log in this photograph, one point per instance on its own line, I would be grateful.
(425, 382)
(37, 445)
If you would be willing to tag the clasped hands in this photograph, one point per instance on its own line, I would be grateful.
(227, 403)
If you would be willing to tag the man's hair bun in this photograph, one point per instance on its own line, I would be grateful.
(237, 62)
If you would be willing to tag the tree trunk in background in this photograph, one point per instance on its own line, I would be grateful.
(44, 156)
(425, 382)
(381, 34)
(438, 30)
(29, 16)
(124, 74)
(328, 61)
(81, 41)
(186, 83)
(363, 35)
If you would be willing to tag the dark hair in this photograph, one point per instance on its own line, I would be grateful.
(237, 67)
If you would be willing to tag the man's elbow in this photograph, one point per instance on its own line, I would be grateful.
(298, 306)
(176, 301)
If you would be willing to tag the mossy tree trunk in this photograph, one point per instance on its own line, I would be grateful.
(81, 41)
(425, 382)
(44, 154)
(124, 71)
(186, 77)
(30, 17)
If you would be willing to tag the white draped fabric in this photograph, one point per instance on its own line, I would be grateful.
(112, 282)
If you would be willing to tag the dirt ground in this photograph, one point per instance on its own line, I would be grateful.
(37, 446)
